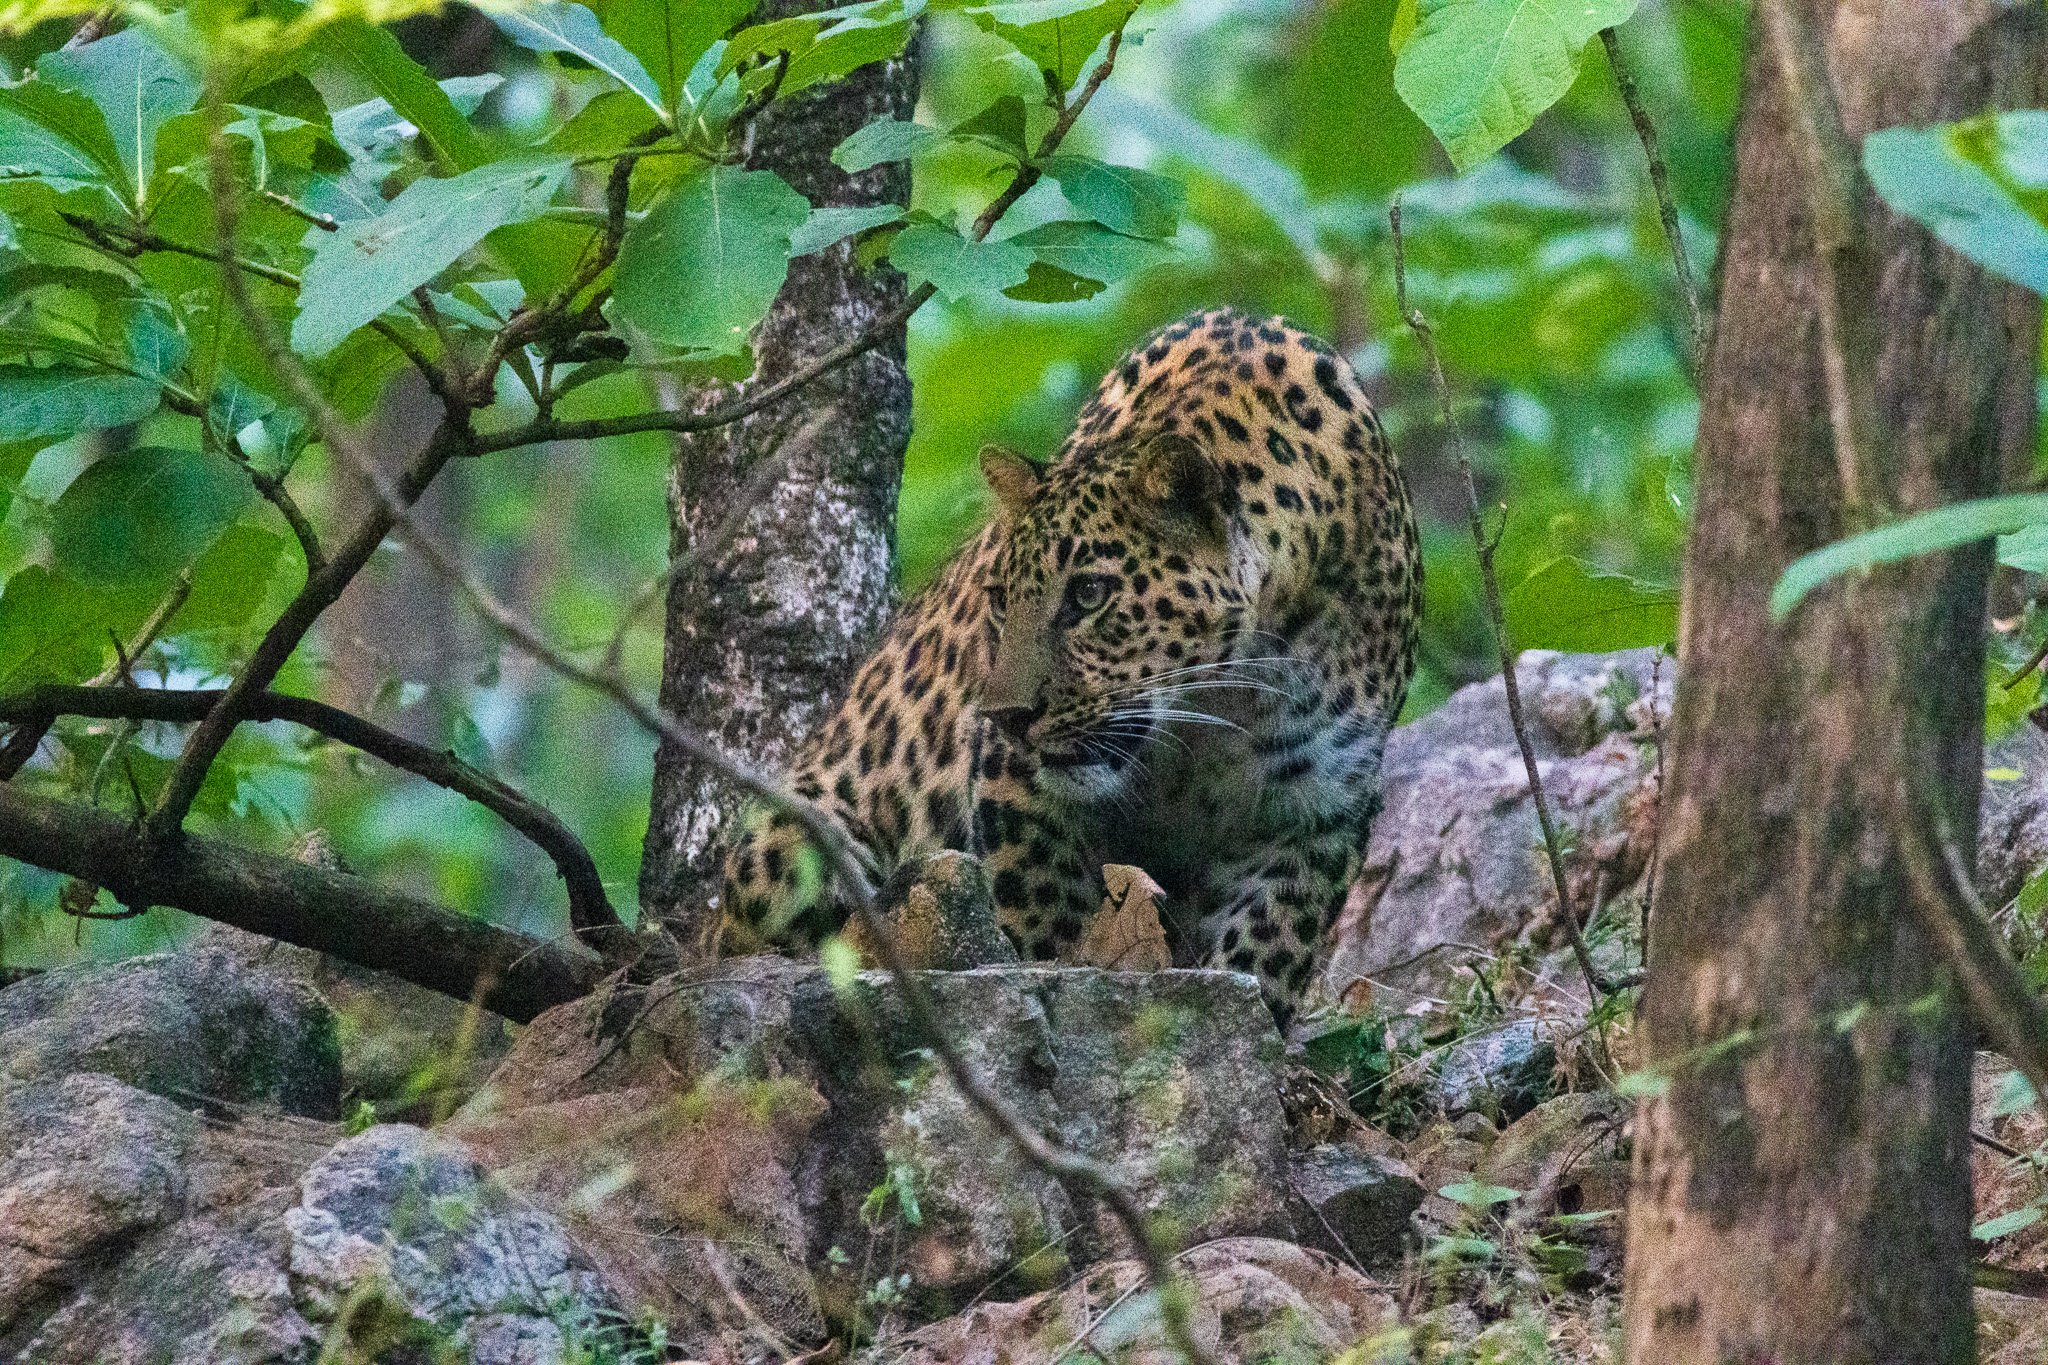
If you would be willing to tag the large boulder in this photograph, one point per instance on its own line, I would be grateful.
(802, 1127)
(1455, 866)
(199, 1026)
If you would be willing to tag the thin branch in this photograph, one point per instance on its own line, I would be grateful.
(590, 910)
(1495, 619)
(1667, 206)
(463, 958)
(271, 488)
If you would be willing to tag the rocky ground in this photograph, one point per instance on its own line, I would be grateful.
(241, 1153)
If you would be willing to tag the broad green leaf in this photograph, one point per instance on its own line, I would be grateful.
(1475, 1194)
(700, 270)
(144, 513)
(366, 267)
(1000, 126)
(956, 266)
(1955, 180)
(373, 130)
(1057, 36)
(1402, 28)
(1570, 605)
(468, 742)
(58, 136)
(828, 225)
(1089, 250)
(54, 628)
(1460, 1248)
(57, 400)
(606, 123)
(232, 579)
(2025, 550)
(1943, 528)
(1050, 284)
(555, 26)
(1121, 198)
(828, 44)
(373, 55)
(1991, 1229)
(880, 141)
(2015, 1091)
(137, 87)
(154, 347)
(1479, 72)
(669, 36)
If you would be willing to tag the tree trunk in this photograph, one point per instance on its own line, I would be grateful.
(794, 583)
(1802, 1187)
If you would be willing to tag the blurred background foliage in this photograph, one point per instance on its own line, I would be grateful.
(1543, 269)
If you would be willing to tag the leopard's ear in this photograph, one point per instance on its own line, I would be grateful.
(1174, 477)
(1012, 478)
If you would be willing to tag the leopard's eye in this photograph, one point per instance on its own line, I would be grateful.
(1087, 592)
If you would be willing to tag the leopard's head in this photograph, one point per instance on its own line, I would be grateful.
(1116, 601)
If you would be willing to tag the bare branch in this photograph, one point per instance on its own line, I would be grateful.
(1496, 620)
(590, 910)
(1667, 207)
(332, 912)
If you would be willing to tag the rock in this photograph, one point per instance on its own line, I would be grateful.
(1455, 856)
(87, 1164)
(198, 1025)
(1254, 1300)
(761, 1109)
(1356, 1204)
(942, 913)
(1502, 1072)
(400, 1237)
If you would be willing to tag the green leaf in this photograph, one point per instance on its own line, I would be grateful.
(554, 26)
(827, 44)
(828, 225)
(367, 266)
(144, 513)
(2025, 550)
(956, 266)
(883, 140)
(1955, 180)
(468, 743)
(57, 400)
(1479, 72)
(2015, 1091)
(58, 136)
(1000, 126)
(1402, 28)
(1570, 605)
(231, 580)
(1050, 284)
(1460, 1248)
(137, 87)
(1478, 1195)
(1121, 198)
(669, 36)
(56, 629)
(1942, 528)
(700, 270)
(1058, 36)
(1089, 250)
(1991, 1229)
(373, 55)
(155, 348)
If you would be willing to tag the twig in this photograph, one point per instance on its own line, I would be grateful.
(1992, 1144)
(1667, 207)
(2034, 661)
(1495, 619)
(272, 490)
(1657, 814)
(324, 221)
(590, 910)
(93, 29)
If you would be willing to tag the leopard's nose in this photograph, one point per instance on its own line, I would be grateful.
(1013, 721)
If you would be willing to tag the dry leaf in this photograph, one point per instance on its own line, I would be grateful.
(1125, 935)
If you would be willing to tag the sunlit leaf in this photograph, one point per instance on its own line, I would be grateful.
(137, 87)
(367, 266)
(555, 26)
(880, 141)
(700, 270)
(374, 56)
(54, 628)
(1058, 36)
(1121, 198)
(58, 135)
(956, 266)
(1570, 605)
(828, 225)
(1479, 72)
(1942, 528)
(828, 44)
(143, 513)
(57, 400)
(669, 36)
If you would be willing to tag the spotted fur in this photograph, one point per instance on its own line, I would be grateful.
(1180, 646)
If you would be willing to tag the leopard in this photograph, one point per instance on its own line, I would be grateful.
(1179, 645)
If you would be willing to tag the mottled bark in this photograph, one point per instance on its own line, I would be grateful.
(1802, 1190)
(765, 633)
